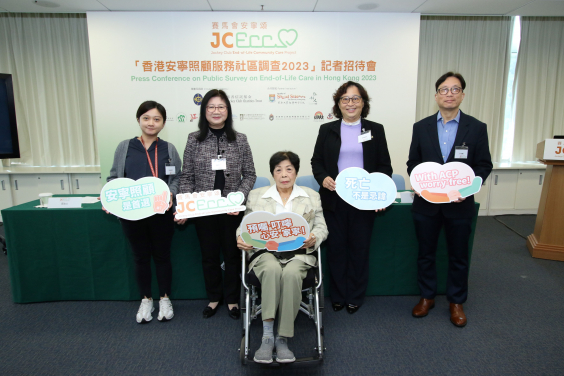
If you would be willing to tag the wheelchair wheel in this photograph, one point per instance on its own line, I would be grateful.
(243, 309)
(320, 354)
(321, 297)
(242, 306)
(242, 352)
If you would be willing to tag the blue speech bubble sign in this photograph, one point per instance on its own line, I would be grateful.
(366, 191)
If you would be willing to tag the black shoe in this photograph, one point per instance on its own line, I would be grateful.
(352, 308)
(338, 306)
(209, 311)
(235, 313)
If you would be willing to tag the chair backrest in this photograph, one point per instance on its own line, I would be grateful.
(261, 182)
(308, 181)
(400, 181)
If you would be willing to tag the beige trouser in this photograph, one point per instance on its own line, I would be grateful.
(281, 286)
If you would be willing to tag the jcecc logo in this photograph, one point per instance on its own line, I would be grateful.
(284, 39)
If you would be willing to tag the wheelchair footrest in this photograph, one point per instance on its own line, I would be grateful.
(300, 361)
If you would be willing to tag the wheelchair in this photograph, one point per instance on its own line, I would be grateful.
(312, 306)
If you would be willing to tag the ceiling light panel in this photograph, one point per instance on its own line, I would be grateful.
(541, 8)
(353, 5)
(65, 6)
(474, 7)
(156, 5)
(269, 5)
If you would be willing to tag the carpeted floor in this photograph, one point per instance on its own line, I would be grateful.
(514, 328)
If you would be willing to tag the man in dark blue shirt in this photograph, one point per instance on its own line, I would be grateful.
(434, 140)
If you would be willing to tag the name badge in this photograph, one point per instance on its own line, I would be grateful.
(170, 169)
(461, 152)
(219, 163)
(364, 136)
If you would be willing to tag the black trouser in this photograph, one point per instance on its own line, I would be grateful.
(348, 250)
(217, 234)
(148, 237)
(457, 231)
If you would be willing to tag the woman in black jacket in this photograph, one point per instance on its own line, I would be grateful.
(218, 157)
(351, 141)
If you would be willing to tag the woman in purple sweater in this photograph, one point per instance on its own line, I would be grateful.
(338, 147)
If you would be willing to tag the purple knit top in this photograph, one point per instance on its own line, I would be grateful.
(351, 151)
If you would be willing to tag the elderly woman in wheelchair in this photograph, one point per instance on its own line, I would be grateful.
(281, 274)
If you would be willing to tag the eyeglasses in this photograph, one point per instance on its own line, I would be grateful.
(212, 108)
(445, 90)
(355, 99)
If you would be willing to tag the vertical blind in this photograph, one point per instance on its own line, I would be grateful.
(48, 57)
(476, 47)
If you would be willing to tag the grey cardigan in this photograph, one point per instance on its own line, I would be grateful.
(118, 167)
(197, 175)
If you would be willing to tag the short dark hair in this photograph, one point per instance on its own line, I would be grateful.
(148, 106)
(284, 156)
(342, 90)
(203, 124)
(447, 75)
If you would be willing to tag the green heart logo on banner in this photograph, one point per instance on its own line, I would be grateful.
(288, 36)
(135, 199)
(236, 198)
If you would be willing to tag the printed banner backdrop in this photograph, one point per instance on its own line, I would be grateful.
(279, 70)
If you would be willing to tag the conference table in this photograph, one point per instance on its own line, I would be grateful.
(82, 254)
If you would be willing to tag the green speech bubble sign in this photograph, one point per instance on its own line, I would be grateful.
(135, 199)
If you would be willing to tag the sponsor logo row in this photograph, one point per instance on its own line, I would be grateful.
(181, 117)
(282, 98)
(318, 116)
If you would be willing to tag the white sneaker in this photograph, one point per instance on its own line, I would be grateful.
(165, 310)
(145, 309)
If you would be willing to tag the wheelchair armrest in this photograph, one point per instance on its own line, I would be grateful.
(320, 270)
(244, 268)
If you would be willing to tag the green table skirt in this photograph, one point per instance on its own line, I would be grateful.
(82, 254)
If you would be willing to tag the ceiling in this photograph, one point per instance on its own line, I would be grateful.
(456, 7)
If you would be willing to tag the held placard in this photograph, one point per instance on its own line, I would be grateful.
(441, 184)
(135, 199)
(200, 204)
(275, 232)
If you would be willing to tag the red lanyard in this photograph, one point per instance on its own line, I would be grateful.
(155, 171)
